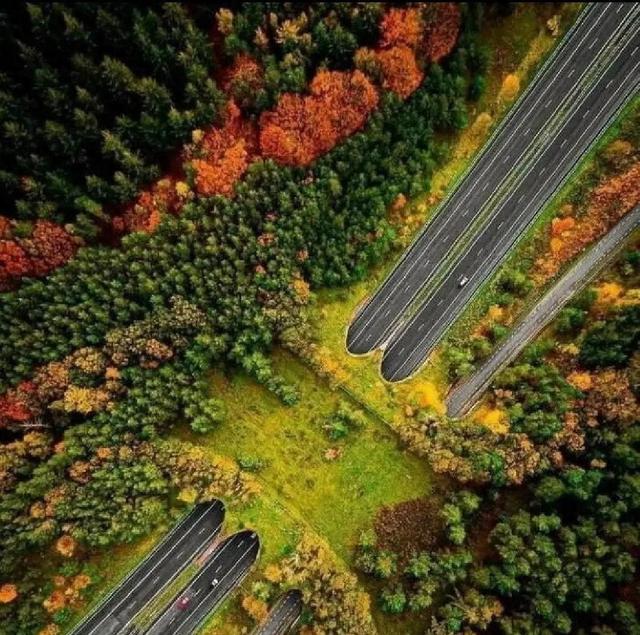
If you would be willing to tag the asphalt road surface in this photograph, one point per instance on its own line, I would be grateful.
(615, 85)
(529, 124)
(283, 616)
(464, 396)
(181, 545)
(227, 565)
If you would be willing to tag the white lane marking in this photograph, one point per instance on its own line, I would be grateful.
(205, 569)
(409, 324)
(548, 307)
(495, 141)
(412, 264)
(150, 572)
(235, 564)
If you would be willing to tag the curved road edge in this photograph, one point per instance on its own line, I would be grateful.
(283, 616)
(464, 396)
(190, 535)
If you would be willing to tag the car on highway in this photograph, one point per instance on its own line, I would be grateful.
(214, 582)
(183, 603)
(463, 281)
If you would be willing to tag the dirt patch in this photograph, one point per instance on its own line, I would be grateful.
(408, 527)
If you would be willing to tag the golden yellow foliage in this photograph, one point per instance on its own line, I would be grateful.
(426, 396)
(492, 418)
(188, 495)
(273, 573)
(608, 293)
(496, 313)
(555, 244)
(255, 607)
(581, 381)
(301, 289)
(49, 629)
(510, 87)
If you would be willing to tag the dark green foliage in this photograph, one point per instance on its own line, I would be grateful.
(393, 600)
(93, 97)
(540, 398)
(344, 420)
(457, 513)
(232, 260)
(612, 342)
(325, 35)
(515, 282)
(335, 212)
(570, 320)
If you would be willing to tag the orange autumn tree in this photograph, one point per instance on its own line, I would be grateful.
(400, 71)
(302, 127)
(395, 63)
(609, 202)
(220, 156)
(48, 247)
(442, 25)
(8, 593)
(243, 80)
(401, 27)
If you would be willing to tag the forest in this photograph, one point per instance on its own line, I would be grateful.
(179, 183)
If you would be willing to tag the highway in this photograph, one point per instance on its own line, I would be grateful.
(522, 135)
(412, 343)
(283, 616)
(464, 396)
(181, 545)
(221, 574)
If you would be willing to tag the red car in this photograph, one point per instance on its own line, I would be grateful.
(183, 602)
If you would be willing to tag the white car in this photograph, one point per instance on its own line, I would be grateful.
(463, 281)
(214, 582)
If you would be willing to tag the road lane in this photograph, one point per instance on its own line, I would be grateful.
(219, 576)
(283, 616)
(554, 89)
(411, 344)
(464, 396)
(187, 539)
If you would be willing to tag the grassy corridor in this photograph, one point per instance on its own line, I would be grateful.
(301, 488)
